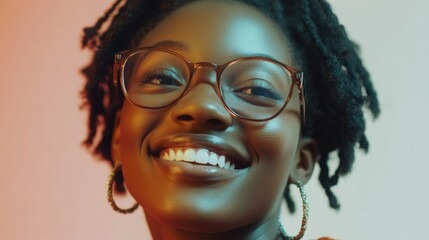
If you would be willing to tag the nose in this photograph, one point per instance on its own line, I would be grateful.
(202, 108)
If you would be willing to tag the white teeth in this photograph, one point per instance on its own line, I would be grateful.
(179, 155)
(171, 154)
(213, 159)
(200, 155)
(227, 164)
(189, 155)
(221, 161)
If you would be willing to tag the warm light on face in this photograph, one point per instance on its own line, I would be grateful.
(166, 151)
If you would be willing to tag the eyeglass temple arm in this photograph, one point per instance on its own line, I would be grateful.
(300, 86)
(116, 73)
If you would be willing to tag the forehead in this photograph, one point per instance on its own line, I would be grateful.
(218, 31)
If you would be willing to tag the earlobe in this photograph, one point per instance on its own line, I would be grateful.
(307, 157)
(115, 140)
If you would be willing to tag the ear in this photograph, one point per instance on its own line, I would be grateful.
(114, 146)
(306, 159)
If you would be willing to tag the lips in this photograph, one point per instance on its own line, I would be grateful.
(199, 149)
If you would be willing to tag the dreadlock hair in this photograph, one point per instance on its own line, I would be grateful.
(337, 85)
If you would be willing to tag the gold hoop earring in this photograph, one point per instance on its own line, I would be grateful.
(110, 194)
(304, 221)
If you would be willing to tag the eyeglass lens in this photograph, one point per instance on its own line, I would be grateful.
(251, 88)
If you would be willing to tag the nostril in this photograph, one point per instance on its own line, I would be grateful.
(215, 122)
(185, 118)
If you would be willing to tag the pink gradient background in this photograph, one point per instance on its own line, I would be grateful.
(51, 188)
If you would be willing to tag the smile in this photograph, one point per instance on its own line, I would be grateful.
(197, 156)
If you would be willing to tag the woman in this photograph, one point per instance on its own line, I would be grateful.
(203, 113)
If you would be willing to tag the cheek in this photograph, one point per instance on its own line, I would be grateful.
(276, 144)
(135, 125)
(276, 141)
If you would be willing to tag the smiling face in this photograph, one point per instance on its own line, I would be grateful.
(199, 192)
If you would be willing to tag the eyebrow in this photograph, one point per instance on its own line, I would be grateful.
(170, 44)
(177, 45)
(259, 55)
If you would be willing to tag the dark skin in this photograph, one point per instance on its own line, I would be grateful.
(180, 200)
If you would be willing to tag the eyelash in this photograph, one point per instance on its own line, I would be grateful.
(267, 93)
(161, 75)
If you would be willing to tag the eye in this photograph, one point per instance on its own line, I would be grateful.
(156, 81)
(259, 92)
(258, 89)
(165, 78)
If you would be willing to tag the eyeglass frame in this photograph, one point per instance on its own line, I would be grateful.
(297, 79)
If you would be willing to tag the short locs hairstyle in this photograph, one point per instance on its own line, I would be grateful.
(337, 86)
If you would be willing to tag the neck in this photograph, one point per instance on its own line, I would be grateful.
(263, 230)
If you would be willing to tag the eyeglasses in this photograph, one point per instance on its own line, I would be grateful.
(252, 88)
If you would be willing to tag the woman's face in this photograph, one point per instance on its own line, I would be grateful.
(207, 198)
